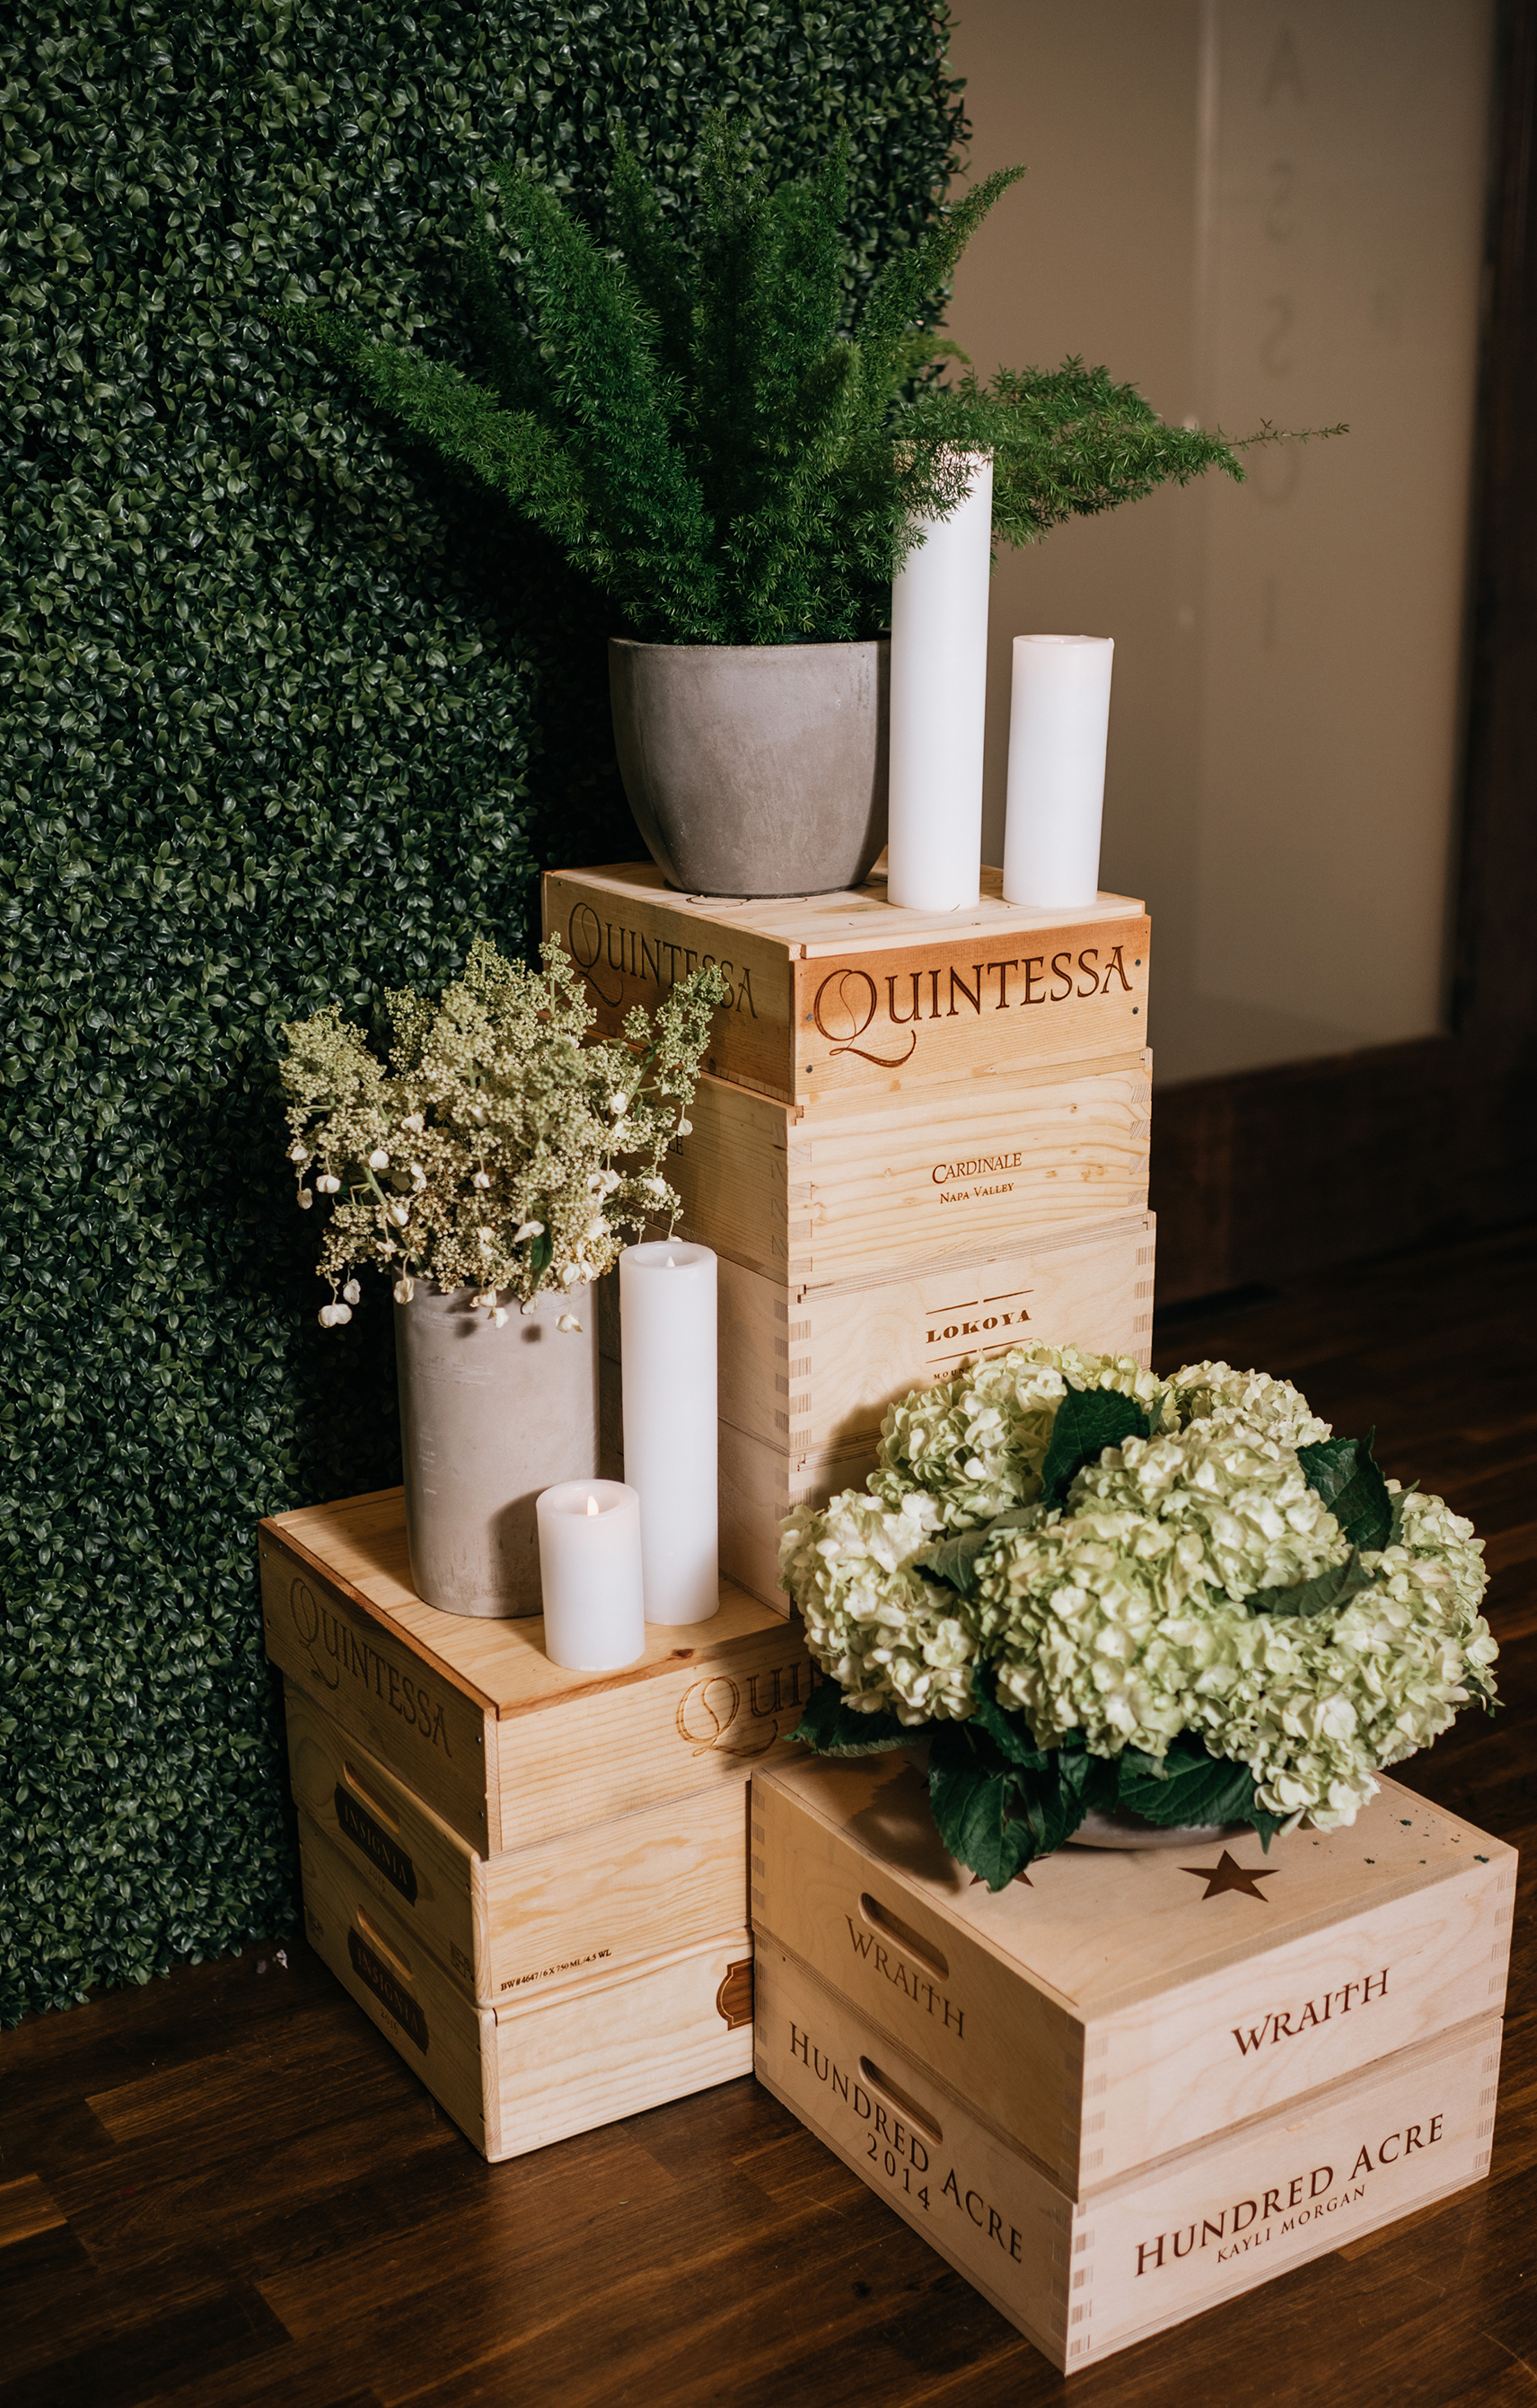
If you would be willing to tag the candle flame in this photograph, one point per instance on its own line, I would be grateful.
(671, 1265)
(592, 1505)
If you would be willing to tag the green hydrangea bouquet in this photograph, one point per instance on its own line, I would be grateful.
(1092, 1589)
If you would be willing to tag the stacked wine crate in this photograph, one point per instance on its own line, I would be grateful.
(1135, 2082)
(533, 1880)
(919, 1137)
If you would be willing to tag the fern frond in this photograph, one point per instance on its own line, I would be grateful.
(653, 258)
(908, 287)
(699, 438)
(619, 404)
(1070, 443)
(509, 354)
(511, 451)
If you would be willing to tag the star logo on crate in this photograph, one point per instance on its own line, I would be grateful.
(1228, 1873)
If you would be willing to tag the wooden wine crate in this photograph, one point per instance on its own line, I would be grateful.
(1117, 2005)
(844, 993)
(471, 1716)
(672, 1877)
(561, 2059)
(815, 1368)
(869, 1183)
(1084, 2279)
(760, 1484)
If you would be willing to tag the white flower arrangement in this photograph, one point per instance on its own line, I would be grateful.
(502, 1148)
(1088, 1586)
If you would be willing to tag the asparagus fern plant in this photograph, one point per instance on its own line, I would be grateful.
(729, 455)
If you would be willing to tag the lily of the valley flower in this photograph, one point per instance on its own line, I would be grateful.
(482, 1179)
(404, 1290)
(352, 1293)
(569, 1321)
(328, 1183)
(306, 1202)
(397, 1215)
(378, 1159)
(527, 1229)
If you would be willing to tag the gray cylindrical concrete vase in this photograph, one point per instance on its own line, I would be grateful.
(754, 769)
(488, 1418)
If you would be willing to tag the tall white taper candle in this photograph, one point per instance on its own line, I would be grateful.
(666, 1325)
(1059, 721)
(590, 1573)
(939, 696)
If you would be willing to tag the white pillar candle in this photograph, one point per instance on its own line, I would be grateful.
(667, 1328)
(589, 1572)
(1058, 719)
(938, 697)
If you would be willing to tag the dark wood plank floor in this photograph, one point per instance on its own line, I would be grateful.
(224, 2190)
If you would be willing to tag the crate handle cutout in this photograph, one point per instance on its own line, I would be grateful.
(374, 1803)
(882, 1919)
(376, 1940)
(910, 2107)
(734, 1998)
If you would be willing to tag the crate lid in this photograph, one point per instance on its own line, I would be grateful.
(862, 916)
(1097, 1929)
(358, 1545)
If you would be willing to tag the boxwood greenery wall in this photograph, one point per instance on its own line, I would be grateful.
(281, 715)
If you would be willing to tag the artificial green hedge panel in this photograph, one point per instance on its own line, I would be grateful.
(282, 715)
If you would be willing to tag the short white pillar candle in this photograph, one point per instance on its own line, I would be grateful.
(1058, 722)
(666, 1323)
(589, 1572)
(938, 701)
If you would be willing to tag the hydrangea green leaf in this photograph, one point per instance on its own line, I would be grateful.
(1087, 1420)
(955, 1561)
(1344, 1472)
(974, 1800)
(834, 1729)
(1395, 1533)
(1336, 1586)
(1189, 1786)
(1009, 1732)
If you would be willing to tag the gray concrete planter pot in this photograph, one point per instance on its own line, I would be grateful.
(489, 1417)
(754, 769)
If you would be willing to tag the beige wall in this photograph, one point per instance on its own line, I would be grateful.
(1255, 212)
